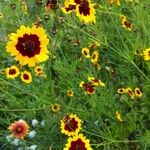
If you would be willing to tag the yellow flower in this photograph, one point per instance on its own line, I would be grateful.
(1, 15)
(146, 54)
(26, 77)
(86, 12)
(121, 91)
(69, 6)
(55, 107)
(125, 23)
(86, 52)
(19, 129)
(28, 45)
(118, 116)
(130, 93)
(94, 45)
(38, 70)
(138, 92)
(70, 125)
(95, 57)
(70, 93)
(95, 82)
(78, 142)
(12, 72)
(116, 2)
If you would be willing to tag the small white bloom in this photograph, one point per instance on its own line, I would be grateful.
(33, 147)
(34, 122)
(20, 148)
(43, 123)
(16, 142)
(32, 134)
(8, 138)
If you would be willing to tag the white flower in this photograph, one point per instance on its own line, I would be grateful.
(43, 123)
(33, 147)
(8, 138)
(32, 134)
(34, 122)
(16, 142)
(20, 148)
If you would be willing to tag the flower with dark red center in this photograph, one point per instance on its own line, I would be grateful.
(146, 54)
(28, 45)
(121, 90)
(86, 11)
(86, 52)
(70, 125)
(130, 93)
(138, 92)
(95, 81)
(95, 57)
(19, 129)
(12, 72)
(26, 77)
(78, 142)
(125, 23)
(55, 107)
(38, 70)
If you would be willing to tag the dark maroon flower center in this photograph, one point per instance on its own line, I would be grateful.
(85, 53)
(19, 129)
(28, 45)
(127, 24)
(25, 76)
(77, 1)
(77, 145)
(70, 7)
(130, 92)
(88, 87)
(71, 125)
(138, 92)
(84, 8)
(12, 71)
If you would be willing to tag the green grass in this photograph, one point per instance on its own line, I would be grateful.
(66, 68)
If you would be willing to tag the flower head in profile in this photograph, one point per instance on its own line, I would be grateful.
(118, 117)
(12, 72)
(121, 90)
(95, 81)
(70, 93)
(138, 92)
(130, 93)
(86, 52)
(19, 129)
(125, 23)
(95, 57)
(146, 54)
(70, 125)
(78, 142)
(55, 107)
(28, 45)
(26, 77)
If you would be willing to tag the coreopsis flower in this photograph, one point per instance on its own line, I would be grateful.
(86, 52)
(121, 90)
(94, 45)
(95, 57)
(12, 72)
(88, 87)
(118, 116)
(28, 45)
(146, 54)
(95, 82)
(19, 129)
(138, 92)
(125, 23)
(70, 93)
(51, 4)
(116, 2)
(55, 107)
(86, 11)
(130, 93)
(78, 142)
(26, 77)
(69, 6)
(70, 125)
(38, 70)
